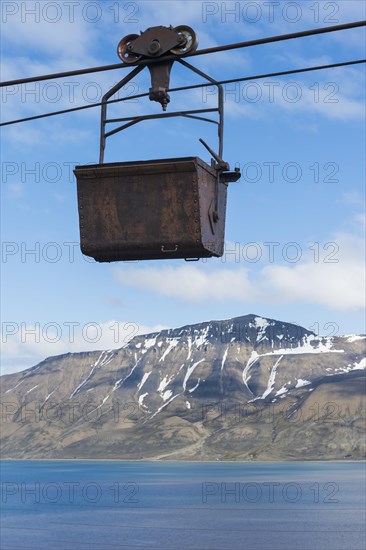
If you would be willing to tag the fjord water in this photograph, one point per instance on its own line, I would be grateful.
(104, 505)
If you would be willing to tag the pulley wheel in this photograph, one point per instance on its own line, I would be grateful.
(123, 49)
(189, 40)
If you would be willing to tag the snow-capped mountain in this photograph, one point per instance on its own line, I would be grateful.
(244, 388)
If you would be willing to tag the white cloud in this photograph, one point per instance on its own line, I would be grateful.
(354, 198)
(334, 278)
(24, 345)
(336, 94)
(188, 283)
(340, 285)
(61, 35)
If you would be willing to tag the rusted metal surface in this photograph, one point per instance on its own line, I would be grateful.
(156, 42)
(160, 78)
(158, 209)
(149, 210)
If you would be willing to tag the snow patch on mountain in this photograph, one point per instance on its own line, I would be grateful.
(202, 338)
(14, 387)
(164, 383)
(261, 324)
(172, 343)
(224, 358)
(195, 387)
(301, 383)
(360, 365)
(121, 381)
(83, 382)
(166, 395)
(34, 387)
(189, 372)
(141, 399)
(143, 380)
(252, 359)
(189, 347)
(47, 398)
(271, 379)
(149, 342)
(161, 388)
(309, 344)
(165, 405)
(354, 337)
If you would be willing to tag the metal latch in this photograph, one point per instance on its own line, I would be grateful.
(225, 176)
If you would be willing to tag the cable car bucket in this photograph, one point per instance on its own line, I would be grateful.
(156, 209)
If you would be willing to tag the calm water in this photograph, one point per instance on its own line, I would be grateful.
(182, 506)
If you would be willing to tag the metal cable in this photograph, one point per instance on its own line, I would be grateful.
(195, 86)
(247, 44)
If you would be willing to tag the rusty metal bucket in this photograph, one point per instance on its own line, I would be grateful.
(158, 209)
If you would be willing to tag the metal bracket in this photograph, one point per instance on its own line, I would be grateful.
(160, 77)
(224, 176)
(155, 43)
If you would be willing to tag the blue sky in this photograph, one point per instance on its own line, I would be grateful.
(295, 221)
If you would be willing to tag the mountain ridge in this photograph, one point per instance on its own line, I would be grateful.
(222, 389)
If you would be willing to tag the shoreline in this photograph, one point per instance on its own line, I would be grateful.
(360, 460)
